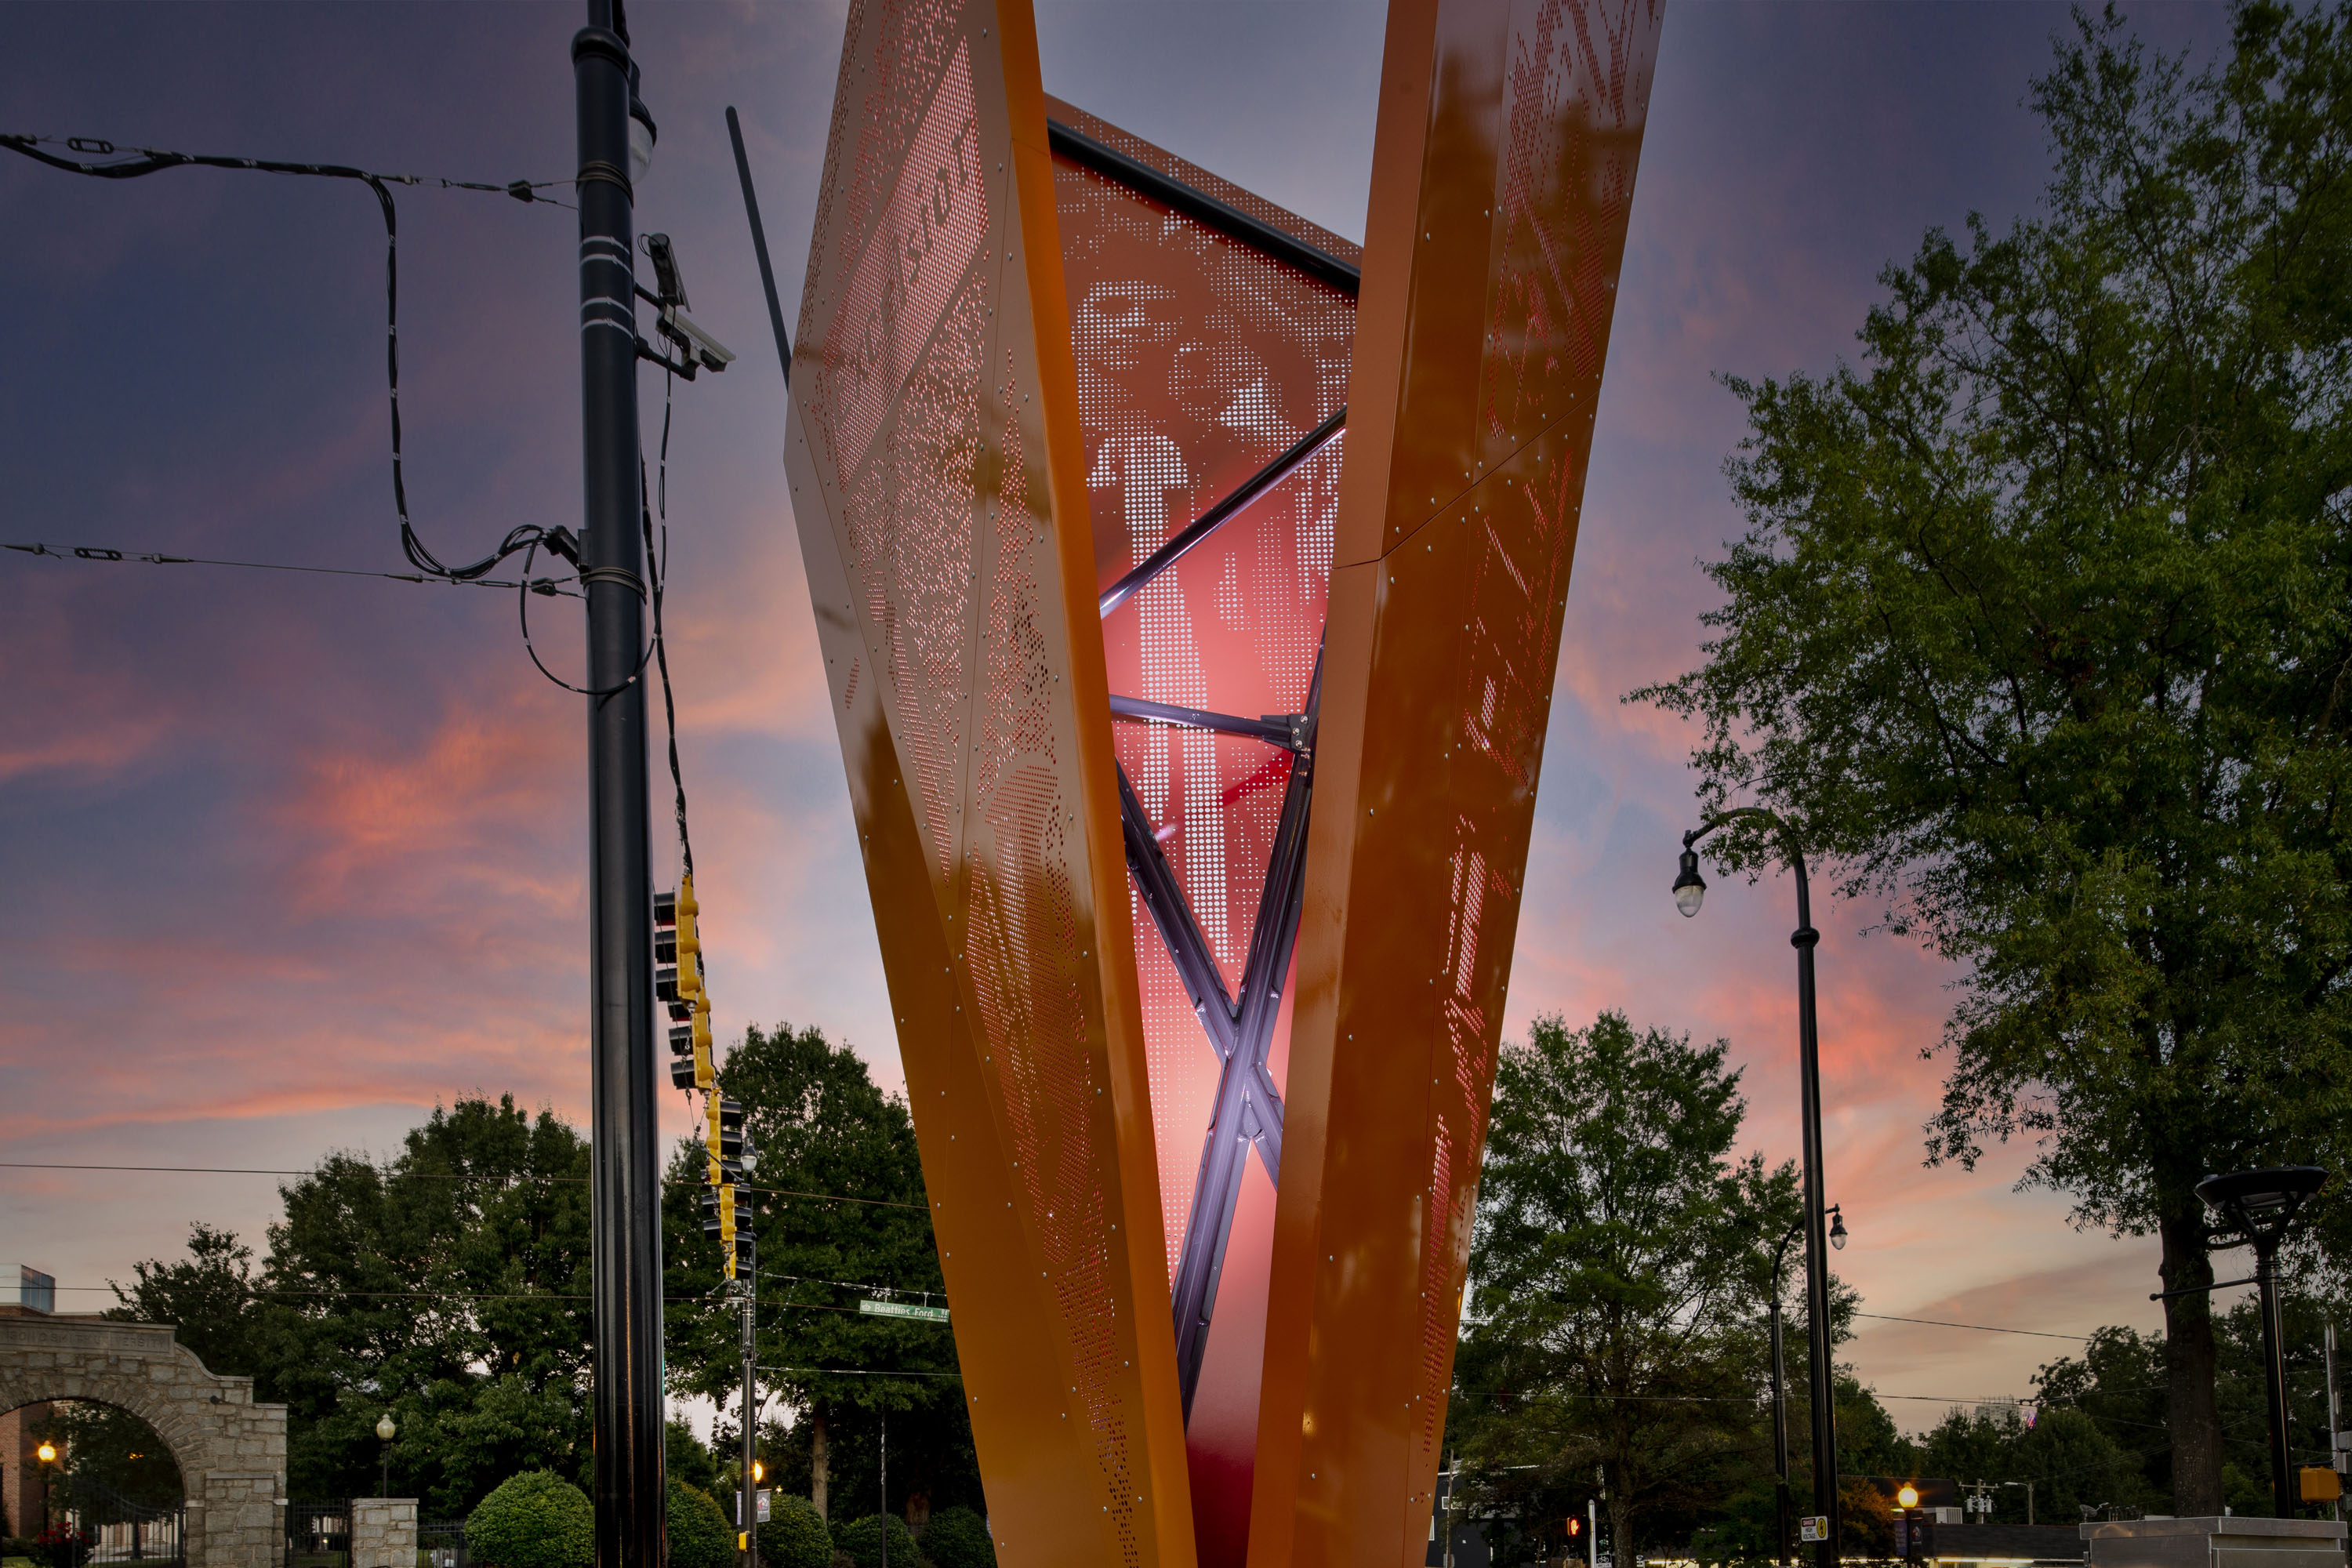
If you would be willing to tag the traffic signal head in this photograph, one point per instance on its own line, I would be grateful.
(723, 1129)
(1575, 1529)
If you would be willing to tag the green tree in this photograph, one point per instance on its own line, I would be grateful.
(1617, 1273)
(2040, 631)
(841, 1215)
(2117, 1384)
(208, 1295)
(447, 1285)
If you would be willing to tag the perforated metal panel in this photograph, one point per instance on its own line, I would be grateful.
(1201, 360)
(1181, 1171)
(937, 481)
(1502, 178)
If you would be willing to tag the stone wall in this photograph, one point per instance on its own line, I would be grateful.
(383, 1533)
(231, 1451)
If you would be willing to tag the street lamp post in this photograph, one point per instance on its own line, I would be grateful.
(386, 1432)
(1780, 1389)
(1690, 889)
(2256, 1208)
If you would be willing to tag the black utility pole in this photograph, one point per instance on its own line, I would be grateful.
(625, 1191)
(1690, 888)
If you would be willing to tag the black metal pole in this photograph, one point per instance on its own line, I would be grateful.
(1817, 1257)
(2282, 1490)
(1781, 1509)
(1804, 938)
(751, 1439)
(625, 1173)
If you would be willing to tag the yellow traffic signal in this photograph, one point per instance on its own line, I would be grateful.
(689, 939)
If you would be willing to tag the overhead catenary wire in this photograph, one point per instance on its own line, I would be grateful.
(541, 585)
(145, 160)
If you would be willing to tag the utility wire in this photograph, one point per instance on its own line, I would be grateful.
(541, 585)
(145, 160)
(1986, 1328)
(434, 1176)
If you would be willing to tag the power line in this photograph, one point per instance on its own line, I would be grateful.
(858, 1371)
(542, 585)
(145, 160)
(1986, 1328)
(430, 1176)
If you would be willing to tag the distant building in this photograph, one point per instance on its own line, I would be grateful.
(23, 1486)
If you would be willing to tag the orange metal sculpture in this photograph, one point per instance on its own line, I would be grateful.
(1191, 626)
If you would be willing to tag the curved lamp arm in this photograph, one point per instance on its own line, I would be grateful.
(1690, 888)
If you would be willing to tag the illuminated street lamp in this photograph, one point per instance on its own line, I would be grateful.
(385, 1430)
(1690, 892)
(48, 1452)
(2256, 1208)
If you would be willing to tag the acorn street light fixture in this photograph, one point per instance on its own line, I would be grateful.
(2255, 1208)
(385, 1430)
(1690, 892)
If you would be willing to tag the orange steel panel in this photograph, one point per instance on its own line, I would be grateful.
(938, 485)
(1502, 172)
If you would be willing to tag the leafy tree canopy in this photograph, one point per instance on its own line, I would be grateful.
(2042, 627)
(841, 1215)
(1620, 1263)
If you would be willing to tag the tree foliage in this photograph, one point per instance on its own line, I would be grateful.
(699, 1535)
(841, 1215)
(1620, 1265)
(536, 1520)
(957, 1537)
(794, 1535)
(447, 1286)
(2042, 627)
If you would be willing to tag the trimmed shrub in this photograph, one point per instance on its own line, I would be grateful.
(957, 1537)
(699, 1535)
(795, 1536)
(536, 1520)
(862, 1542)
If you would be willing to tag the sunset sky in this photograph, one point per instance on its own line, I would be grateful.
(288, 858)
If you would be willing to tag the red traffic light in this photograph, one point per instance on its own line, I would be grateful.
(1575, 1527)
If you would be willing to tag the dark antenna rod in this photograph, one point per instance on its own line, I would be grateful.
(759, 244)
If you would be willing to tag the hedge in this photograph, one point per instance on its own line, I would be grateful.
(699, 1535)
(795, 1535)
(863, 1542)
(957, 1537)
(536, 1520)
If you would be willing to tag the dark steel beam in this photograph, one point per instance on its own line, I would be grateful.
(1208, 522)
(1156, 880)
(1275, 729)
(1248, 1109)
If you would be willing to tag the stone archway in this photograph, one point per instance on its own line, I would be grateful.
(231, 1451)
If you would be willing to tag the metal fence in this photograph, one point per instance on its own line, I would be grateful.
(319, 1534)
(124, 1530)
(441, 1543)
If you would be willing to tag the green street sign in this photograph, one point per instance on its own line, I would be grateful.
(903, 1310)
